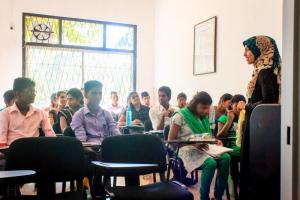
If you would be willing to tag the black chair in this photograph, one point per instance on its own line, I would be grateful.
(139, 149)
(69, 132)
(264, 149)
(56, 159)
(148, 125)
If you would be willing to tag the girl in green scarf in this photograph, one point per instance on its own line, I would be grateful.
(190, 121)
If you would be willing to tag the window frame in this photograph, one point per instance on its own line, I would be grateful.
(60, 45)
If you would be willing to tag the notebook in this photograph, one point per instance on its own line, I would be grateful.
(216, 151)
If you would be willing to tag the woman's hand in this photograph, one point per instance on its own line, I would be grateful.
(219, 143)
(137, 121)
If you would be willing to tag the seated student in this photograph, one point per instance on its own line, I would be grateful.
(181, 100)
(9, 98)
(91, 123)
(22, 119)
(114, 108)
(146, 99)
(52, 110)
(74, 103)
(216, 111)
(140, 113)
(194, 120)
(61, 97)
(227, 123)
(160, 115)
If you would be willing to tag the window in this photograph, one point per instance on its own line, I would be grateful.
(60, 53)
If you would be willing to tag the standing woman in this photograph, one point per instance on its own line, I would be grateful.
(263, 88)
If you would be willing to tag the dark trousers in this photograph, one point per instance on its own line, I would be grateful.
(95, 178)
(245, 155)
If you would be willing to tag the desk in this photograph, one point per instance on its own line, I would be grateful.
(122, 169)
(183, 142)
(132, 129)
(158, 133)
(90, 144)
(11, 178)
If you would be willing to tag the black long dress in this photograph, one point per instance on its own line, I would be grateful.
(266, 91)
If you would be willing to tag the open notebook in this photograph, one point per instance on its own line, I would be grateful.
(216, 151)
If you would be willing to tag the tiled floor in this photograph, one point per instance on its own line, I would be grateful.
(29, 188)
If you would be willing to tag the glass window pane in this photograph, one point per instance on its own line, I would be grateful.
(41, 30)
(119, 37)
(53, 69)
(82, 33)
(114, 70)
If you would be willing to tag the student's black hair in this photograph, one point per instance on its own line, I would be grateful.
(8, 96)
(166, 90)
(181, 95)
(130, 95)
(53, 97)
(145, 94)
(225, 97)
(77, 94)
(91, 84)
(60, 92)
(113, 93)
(237, 98)
(200, 98)
(22, 83)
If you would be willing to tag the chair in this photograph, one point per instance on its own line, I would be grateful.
(139, 149)
(148, 125)
(56, 159)
(264, 159)
(69, 132)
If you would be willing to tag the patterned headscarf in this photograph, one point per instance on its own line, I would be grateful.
(267, 56)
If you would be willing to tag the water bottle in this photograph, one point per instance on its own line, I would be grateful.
(129, 116)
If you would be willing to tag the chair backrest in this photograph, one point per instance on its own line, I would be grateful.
(138, 148)
(69, 132)
(264, 160)
(166, 132)
(148, 125)
(54, 159)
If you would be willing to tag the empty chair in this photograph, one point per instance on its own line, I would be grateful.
(142, 149)
(57, 159)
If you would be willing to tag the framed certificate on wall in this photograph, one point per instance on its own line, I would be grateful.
(205, 47)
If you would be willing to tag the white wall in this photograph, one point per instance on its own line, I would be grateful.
(165, 37)
(237, 21)
(136, 12)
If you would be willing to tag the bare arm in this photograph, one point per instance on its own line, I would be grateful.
(223, 128)
(173, 133)
(63, 123)
(161, 122)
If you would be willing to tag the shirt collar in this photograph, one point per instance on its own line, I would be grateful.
(161, 108)
(14, 108)
(86, 111)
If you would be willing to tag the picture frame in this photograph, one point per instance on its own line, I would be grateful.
(204, 57)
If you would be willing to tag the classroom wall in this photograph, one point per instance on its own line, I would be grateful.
(165, 38)
(236, 21)
(136, 12)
